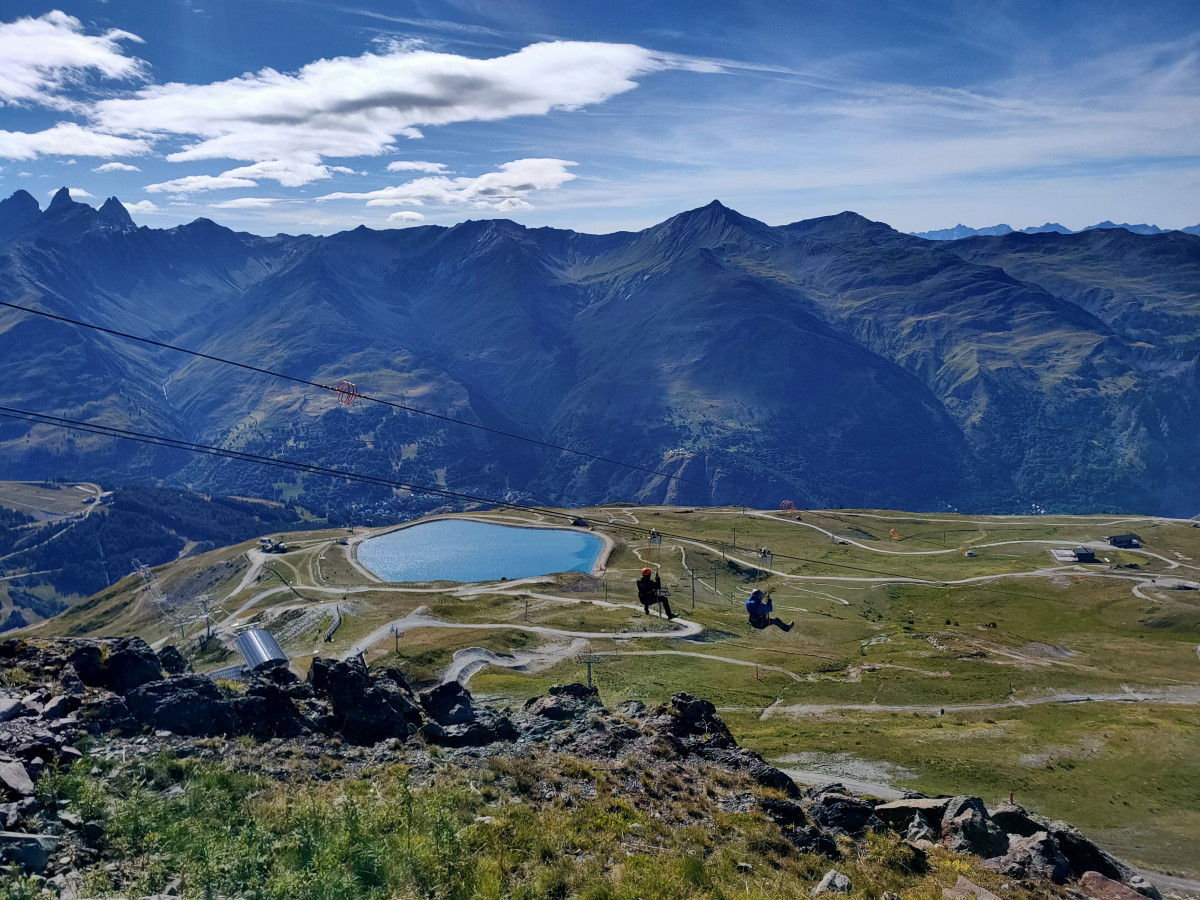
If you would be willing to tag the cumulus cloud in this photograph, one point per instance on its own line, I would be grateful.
(191, 184)
(76, 193)
(406, 216)
(288, 172)
(116, 167)
(504, 190)
(402, 165)
(246, 203)
(40, 57)
(359, 106)
(142, 206)
(68, 139)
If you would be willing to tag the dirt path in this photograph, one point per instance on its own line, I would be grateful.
(1181, 696)
(820, 778)
(1174, 885)
(419, 618)
(470, 660)
(724, 659)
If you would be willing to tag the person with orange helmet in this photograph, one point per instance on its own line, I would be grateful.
(650, 592)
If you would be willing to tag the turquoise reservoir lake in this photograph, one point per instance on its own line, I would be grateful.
(465, 550)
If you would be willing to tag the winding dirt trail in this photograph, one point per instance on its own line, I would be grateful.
(419, 618)
(1172, 696)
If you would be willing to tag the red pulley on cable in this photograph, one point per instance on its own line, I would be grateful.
(347, 392)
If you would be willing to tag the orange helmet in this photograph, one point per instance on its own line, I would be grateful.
(646, 571)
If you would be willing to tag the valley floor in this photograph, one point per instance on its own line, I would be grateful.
(941, 653)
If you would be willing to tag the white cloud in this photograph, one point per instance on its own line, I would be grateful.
(71, 162)
(76, 193)
(359, 106)
(504, 189)
(406, 216)
(246, 203)
(67, 139)
(116, 167)
(191, 184)
(401, 165)
(289, 173)
(142, 206)
(39, 57)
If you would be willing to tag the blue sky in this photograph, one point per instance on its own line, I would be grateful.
(312, 116)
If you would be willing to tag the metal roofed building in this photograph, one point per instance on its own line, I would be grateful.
(259, 647)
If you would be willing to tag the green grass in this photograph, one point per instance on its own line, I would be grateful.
(1126, 775)
(525, 827)
(856, 642)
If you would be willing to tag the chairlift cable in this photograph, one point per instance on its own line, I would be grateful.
(301, 466)
(346, 390)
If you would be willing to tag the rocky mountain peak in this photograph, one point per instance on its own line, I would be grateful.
(18, 212)
(62, 201)
(115, 216)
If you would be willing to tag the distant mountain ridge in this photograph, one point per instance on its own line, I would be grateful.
(960, 231)
(830, 362)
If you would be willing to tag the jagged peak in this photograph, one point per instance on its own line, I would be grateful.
(114, 213)
(61, 201)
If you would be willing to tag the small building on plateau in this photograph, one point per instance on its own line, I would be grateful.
(1124, 541)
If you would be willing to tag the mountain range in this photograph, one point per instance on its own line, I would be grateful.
(963, 231)
(829, 362)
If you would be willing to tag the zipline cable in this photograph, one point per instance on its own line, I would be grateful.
(328, 387)
(300, 466)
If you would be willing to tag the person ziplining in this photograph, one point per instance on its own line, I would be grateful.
(650, 592)
(759, 607)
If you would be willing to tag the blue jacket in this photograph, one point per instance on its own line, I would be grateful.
(758, 606)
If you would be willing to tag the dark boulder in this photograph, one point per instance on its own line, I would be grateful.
(29, 851)
(966, 828)
(88, 662)
(695, 716)
(1084, 856)
(449, 704)
(899, 813)
(771, 777)
(15, 783)
(61, 706)
(834, 809)
(172, 661)
(184, 704)
(367, 708)
(109, 714)
(576, 690)
(265, 711)
(1013, 819)
(119, 665)
(1036, 856)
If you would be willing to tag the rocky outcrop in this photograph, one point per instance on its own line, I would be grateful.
(172, 661)
(367, 707)
(967, 828)
(1035, 856)
(118, 665)
(185, 704)
(449, 704)
(76, 688)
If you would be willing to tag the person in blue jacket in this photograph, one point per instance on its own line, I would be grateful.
(759, 607)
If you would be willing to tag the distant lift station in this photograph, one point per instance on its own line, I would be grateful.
(259, 647)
